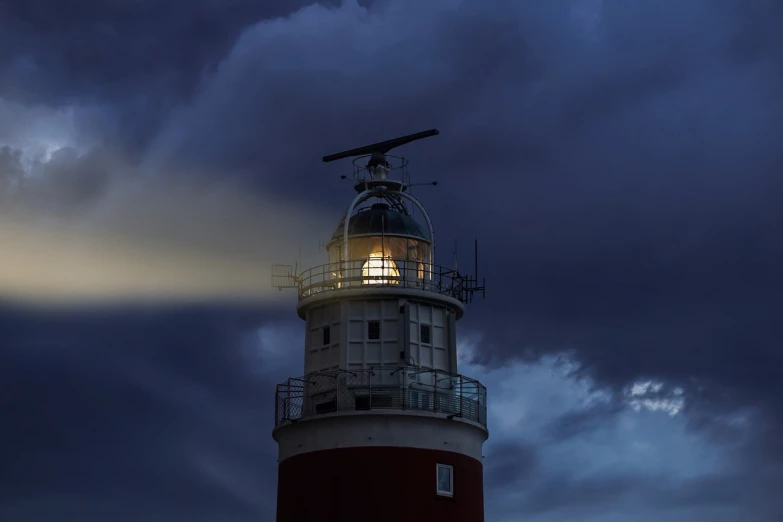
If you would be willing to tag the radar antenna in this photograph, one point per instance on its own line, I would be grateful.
(378, 151)
(375, 169)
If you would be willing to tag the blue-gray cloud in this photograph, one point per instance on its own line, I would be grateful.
(125, 413)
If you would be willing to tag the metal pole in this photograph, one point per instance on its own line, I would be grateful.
(288, 400)
(460, 396)
(435, 393)
(402, 388)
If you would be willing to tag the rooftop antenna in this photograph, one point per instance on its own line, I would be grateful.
(375, 168)
(475, 286)
(468, 285)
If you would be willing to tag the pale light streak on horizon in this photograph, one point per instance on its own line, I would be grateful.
(149, 239)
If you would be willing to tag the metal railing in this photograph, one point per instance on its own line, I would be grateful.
(403, 273)
(403, 388)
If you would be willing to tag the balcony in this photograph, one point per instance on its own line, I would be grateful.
(390, 273)
(404, 388)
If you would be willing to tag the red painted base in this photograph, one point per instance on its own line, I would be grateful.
(377, 484)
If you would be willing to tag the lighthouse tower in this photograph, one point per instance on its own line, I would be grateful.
(380, 426)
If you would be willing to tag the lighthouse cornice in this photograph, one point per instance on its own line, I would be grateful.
(450, 417)
(381, 429)
(381, 292)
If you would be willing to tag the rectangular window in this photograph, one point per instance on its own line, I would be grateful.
(327, 331)
(373, 330)
(445, 480)
(424, 334)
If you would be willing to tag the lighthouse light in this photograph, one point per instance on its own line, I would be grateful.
(380, 270)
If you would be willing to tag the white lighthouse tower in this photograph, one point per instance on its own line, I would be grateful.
(380, 426)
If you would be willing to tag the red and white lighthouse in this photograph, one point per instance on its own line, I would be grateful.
(380, 426)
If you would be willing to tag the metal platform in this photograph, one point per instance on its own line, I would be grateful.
(404, 273)
(416, 389)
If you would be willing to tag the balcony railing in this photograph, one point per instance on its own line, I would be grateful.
(403, 273)
(404, 388)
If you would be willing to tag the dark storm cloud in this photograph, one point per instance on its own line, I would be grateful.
(510, 463)
(55, 52)
(574, 424)
(596, 498)
(275, 121)
(143, 58)
(66, 183)
(127, 404)
(650, 244)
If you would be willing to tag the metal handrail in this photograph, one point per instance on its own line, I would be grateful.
(401, 388)
(409, 273)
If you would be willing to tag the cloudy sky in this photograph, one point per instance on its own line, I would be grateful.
(619, 161)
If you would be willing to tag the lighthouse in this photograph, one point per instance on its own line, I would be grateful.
(380, 426)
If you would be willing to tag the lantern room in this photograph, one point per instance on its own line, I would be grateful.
(382, 240)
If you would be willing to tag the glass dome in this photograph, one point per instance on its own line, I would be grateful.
(380, 219)
(385, 245)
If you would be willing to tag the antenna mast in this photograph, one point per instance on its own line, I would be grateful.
(374, 168)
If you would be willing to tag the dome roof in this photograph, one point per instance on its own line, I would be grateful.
(380, 219)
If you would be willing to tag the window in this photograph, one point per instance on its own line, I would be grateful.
(445, 479)
(373, 330)
(424, 334)
(327, 331)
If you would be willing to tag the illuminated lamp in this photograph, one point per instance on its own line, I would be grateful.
(378, 269)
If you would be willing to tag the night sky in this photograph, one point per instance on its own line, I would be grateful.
(619, 162)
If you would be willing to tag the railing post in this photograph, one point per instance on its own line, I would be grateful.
(460, 397)
(484, 407)
(369, 388)
(402, 387)
(435, 392)
(288, 401)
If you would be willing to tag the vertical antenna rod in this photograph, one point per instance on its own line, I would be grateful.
(475, 259)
